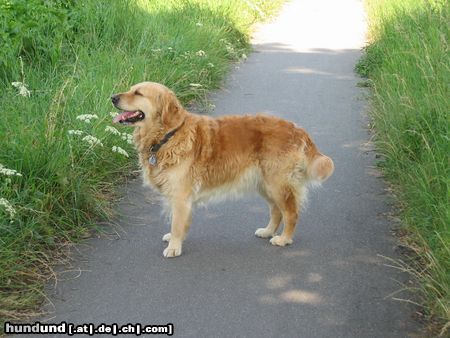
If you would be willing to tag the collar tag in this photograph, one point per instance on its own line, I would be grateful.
(152, 159)
(155, 147)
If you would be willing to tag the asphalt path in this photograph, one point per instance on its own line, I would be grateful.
(333, 281)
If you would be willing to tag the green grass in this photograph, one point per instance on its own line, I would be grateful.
(408, 64)
(72, 55)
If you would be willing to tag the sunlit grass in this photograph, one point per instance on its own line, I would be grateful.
(409, 67)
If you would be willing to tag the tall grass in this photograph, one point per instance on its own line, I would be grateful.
(409, 67)
(70, 56)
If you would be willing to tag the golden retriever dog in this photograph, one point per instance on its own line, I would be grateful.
(191, 158)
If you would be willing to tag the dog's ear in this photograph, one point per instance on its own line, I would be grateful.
(171, 112)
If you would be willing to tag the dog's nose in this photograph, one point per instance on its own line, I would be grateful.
(115, 99)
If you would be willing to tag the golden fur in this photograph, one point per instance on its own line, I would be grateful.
(210, 156)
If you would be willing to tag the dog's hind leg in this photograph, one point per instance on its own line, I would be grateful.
(274, 223)
(288, 203)
(181, 220)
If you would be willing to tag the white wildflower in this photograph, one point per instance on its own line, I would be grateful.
(92, 140)
(244, 56)
(169, 48)
(113, 113)
(195, 85)
(8, 172)
(119, 150)
(23, 90)
(8, 207)
(186, 55)
(230, 48)
(211, 65)
(156, 50)
(112, 130)
(87, 117)
(200, 53)
(199, 24)
(127, 137)
(75, 132)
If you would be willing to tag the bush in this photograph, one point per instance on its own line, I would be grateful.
(34, 30)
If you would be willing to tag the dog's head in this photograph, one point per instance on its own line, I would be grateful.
(147, 104)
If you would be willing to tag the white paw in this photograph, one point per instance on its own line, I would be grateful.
(263, 233)
(166, 237)
(172, 251)
(280, 241)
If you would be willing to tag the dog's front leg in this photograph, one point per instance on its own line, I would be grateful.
(181, 220)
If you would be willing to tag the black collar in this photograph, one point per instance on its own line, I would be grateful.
(156, 146)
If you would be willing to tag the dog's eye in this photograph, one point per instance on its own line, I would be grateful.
(138, 93)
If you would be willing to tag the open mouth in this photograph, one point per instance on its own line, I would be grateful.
(129, 117)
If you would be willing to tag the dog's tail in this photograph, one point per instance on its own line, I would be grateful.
(320, 168)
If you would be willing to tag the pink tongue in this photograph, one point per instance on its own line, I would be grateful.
(123, 116)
